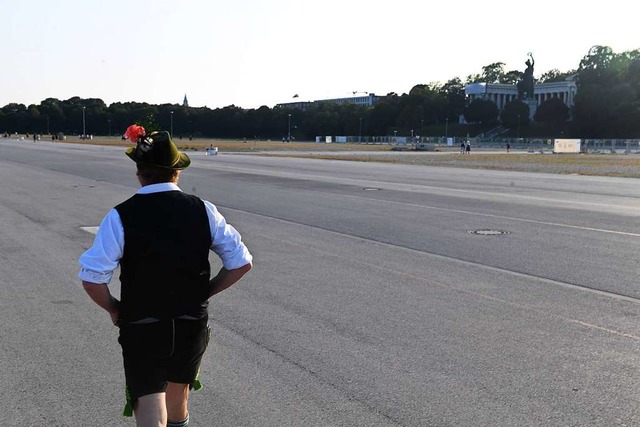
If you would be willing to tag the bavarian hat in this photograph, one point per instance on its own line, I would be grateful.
(157, 149)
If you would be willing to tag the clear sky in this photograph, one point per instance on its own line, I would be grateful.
(261, 52)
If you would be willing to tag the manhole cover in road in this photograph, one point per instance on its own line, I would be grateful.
(488, 232)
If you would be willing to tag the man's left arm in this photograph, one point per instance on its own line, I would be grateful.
(99, 262)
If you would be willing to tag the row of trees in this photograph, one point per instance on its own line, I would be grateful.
(607, 105)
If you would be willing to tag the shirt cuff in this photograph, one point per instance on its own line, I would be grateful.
(95, 276)
(239, 260)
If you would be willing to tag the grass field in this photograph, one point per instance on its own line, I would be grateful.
(618, 165)
(226, 145)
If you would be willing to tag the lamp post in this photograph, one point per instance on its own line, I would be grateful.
(109, 121)
(518, 129)
(171, 127)
(48, 133)
(289, 128)
(446, 129)
(84, 127)
(360, 131)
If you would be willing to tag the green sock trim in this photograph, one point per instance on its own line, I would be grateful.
(196, 384)
(128, 407)
(183, 423)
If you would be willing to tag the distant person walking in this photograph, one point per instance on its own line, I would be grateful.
(508, 146)
(468, 148)
(462, 147)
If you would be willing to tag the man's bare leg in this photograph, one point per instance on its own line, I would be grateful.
(177, 402)
(151, 410)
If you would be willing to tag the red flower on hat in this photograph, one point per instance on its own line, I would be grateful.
(134, 133)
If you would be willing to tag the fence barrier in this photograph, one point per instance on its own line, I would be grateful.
(593, 146)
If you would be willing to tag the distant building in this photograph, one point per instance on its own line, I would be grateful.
(502, 94)
(367, 101)
(185, 102)
(301, 105)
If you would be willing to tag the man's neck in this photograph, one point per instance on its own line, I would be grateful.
(144, 182)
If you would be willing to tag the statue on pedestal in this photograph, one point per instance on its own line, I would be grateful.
(525, 85)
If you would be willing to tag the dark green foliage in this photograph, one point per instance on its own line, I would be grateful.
(515, 114)
(553, 113)
(481, 111)
(607, 105)
(149, 123)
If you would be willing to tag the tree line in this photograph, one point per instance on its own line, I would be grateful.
(607, 105)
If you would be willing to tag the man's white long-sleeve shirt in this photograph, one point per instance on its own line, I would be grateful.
(103, 257)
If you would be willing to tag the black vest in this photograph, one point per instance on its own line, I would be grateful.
(164, 271)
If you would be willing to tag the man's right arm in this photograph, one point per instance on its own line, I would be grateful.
(227, 243)
(227, 278)
(99, 293)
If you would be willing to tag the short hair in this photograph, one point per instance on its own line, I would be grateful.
(156, 175)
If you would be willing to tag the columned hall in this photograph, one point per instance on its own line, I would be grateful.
(502, 94)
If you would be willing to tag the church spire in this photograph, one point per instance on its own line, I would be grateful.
(185, 103)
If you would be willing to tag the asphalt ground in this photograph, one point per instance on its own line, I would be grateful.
(382, 294)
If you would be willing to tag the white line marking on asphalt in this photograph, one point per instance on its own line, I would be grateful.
(92, 230)
(533, 221)
(567, 285)
(384, 185)
(541, 311)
